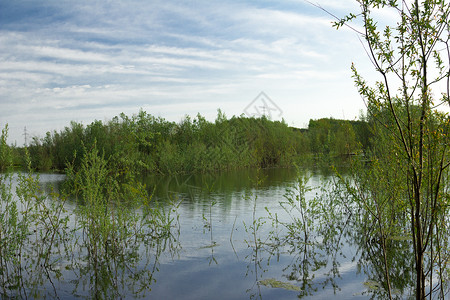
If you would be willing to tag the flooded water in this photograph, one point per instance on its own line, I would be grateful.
(227, 245)
(231, 269)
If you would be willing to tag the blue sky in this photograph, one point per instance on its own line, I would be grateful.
(91, 60)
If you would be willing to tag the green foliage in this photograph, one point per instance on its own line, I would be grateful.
(312, 228)
(406, 185)
(143, 143)
(299, 209)
(5, 151)
(115, 222)
(338, 137)
(33, 232)
(117, 218)
(146, 144)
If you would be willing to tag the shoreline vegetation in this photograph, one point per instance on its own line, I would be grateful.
(143, 144)
(116, 224)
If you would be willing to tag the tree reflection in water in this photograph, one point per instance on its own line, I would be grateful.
(315, 236)
(119, 277)
(108, 248)
(302, 247)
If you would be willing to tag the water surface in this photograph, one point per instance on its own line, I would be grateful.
(212, 253)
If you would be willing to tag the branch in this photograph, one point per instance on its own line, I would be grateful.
(334, 16)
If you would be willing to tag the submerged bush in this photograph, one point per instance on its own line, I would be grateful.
(116, 227)
(146, 144)
(33, 235)
(117, 217)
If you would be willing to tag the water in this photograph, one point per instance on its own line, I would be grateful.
(230, 269)
(213, 254)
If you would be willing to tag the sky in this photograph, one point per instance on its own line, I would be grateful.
(86, 60)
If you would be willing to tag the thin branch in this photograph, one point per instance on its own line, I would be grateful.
(333, 15)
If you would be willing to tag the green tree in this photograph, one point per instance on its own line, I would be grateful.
(143, 143)
(5, 151)
(345, 140)
(411, 143)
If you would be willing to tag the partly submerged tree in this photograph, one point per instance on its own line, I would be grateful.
(411, 56)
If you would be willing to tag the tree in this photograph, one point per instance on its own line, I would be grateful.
(412, 59)
(5, 151)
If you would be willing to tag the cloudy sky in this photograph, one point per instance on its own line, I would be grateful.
(91, 60)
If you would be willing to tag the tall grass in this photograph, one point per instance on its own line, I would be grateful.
(117, 229)
(117, 219)
(33, 232)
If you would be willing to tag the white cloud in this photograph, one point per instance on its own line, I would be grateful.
(107, 57)
(67, 54)
(270, 20)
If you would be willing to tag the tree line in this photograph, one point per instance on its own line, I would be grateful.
(147, 144)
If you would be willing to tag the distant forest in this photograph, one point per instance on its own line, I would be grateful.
(146, 144)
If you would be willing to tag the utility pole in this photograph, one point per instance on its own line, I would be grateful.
(26, 135)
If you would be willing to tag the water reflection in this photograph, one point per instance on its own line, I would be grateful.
(119, 277)
(223, 183)
(313, 237)
(230, 239)
(49, 252)
(323, 237)
(400, 277)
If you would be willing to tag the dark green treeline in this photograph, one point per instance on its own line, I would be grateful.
(145, 143)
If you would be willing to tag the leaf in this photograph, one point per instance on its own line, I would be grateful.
(273, 283)
(212, 245)
(373, 285)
